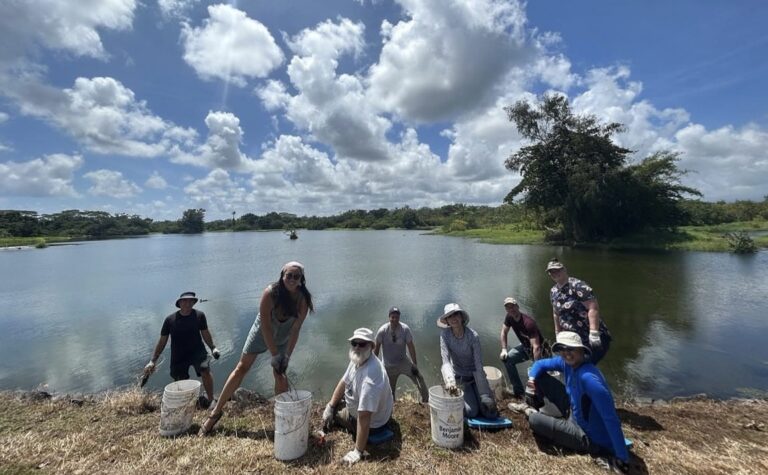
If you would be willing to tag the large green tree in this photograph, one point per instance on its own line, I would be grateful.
(192, 221)
(579, 180)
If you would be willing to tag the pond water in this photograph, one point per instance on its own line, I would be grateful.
(86, 317)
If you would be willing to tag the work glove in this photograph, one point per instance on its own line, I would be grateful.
(503, 355)
(215, 352)
(532, 396)
(489, 407)
(353, 456)
(594, 340)
(277, 363)
(449, 379)
(284, 364)
(149, 368)
(328, 417)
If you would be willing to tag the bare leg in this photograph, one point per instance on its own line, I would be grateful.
(281, 383)
(234, 380)
(207, 378)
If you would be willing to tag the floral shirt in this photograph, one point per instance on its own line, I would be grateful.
(571, 312)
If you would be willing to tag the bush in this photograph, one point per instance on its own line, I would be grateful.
(740, 242)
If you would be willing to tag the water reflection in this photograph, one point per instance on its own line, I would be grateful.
(86, 317)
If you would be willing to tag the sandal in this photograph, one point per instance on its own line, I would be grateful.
(210, 422)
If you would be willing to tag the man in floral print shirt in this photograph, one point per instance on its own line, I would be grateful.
(575, 308)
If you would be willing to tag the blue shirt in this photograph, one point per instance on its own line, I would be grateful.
(600, 423)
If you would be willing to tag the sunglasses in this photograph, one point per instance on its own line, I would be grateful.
(358, 343)
(292, 276)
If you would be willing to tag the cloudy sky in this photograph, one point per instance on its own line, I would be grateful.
(315, 107)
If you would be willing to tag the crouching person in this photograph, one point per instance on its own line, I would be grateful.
(590, 423)
(462, 362)
(367, 397)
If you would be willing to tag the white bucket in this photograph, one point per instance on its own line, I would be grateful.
(292, 410)
(178, 407)
(446, 417)
(495, 381)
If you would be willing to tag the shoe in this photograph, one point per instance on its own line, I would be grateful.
(518, 407)
(209, 424)
(203, 402)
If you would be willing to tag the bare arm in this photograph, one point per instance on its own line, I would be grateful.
(557, 321)
(265, 310)
(536, 347)
(412, 351)
(303, 310)
(207, 338)
(504, 333)
(363, 427)
(159, 348)
(593, 314)
(338, 393)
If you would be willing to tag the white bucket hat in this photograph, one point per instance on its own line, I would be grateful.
(362, 334)
(570, 340)
(448, 310)
(186, 296)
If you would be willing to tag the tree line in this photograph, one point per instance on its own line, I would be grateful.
(455, 217)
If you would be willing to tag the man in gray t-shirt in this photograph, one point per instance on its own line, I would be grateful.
(365, 393)
(393, 338)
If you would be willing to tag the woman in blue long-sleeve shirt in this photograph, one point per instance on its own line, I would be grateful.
(593, 425)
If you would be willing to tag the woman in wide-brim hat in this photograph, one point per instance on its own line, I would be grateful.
(462, 362)
(283, 307)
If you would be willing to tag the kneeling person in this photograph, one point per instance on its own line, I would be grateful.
(593, 425)
(366, 392)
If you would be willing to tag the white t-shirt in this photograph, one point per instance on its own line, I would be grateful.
(394, 351)
(367, 389)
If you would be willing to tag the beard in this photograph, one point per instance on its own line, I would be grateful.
(359, 357)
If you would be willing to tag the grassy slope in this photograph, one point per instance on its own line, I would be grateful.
(688, 238)
(31, 241)
(120, 435)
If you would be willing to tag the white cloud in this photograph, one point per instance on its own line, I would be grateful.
(60, 25)
(333, 108)
(111, 183)
(3, 117)
(175, 8)
(222, 147)
(50, 175)
(447, 58)
(156, 182)
(230, 46)
(101, 113)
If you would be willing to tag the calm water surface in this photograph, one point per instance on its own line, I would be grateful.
(86, 317)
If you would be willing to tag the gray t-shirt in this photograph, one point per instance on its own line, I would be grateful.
(367, 389)
(394, 348)
(464, 354)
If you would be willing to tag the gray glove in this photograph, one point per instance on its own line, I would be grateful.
(278, 364)
(488, 406)
(215, 352)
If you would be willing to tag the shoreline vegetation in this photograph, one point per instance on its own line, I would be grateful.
(709, 238)
(117, 432)
(685, 238)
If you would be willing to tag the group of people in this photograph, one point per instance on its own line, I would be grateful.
(363, 399)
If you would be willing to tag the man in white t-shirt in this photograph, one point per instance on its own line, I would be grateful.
(393, 338)
(367, 396)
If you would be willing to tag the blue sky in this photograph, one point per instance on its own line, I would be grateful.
(314, 107)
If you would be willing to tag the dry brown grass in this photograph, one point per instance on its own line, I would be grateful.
(118, 433)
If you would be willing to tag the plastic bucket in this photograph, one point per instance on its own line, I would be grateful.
(178, 407)
(292, 410)
(446, 417)
(495, 381)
